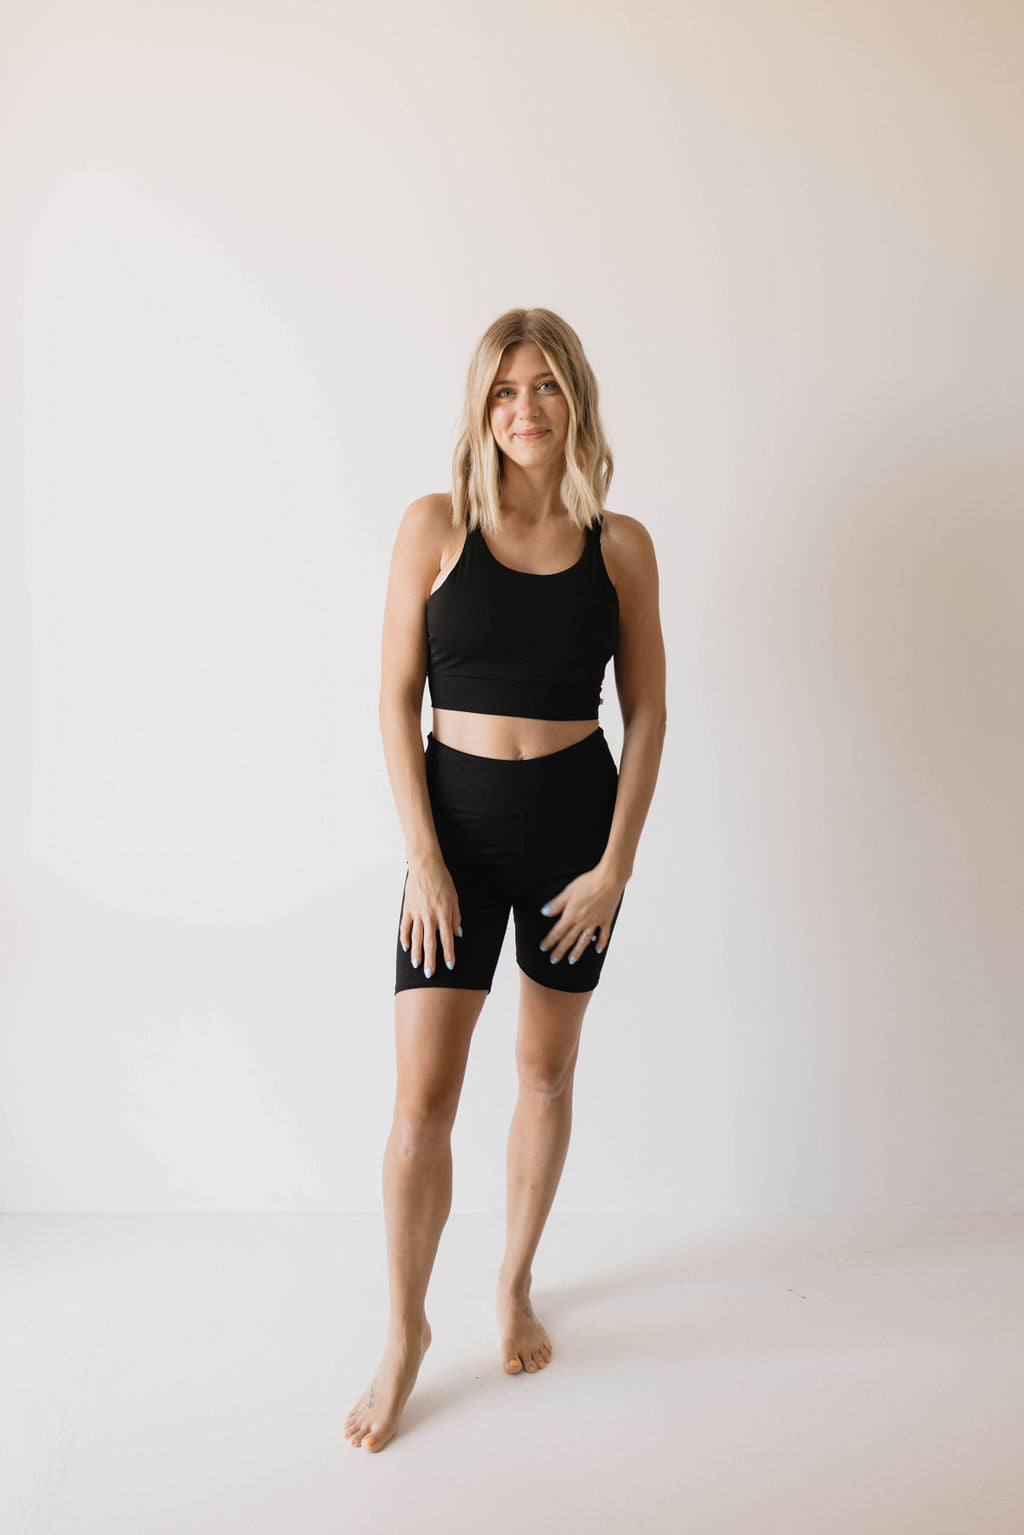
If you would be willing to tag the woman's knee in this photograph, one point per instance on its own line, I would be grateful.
(544, 1074)
(423, 1121)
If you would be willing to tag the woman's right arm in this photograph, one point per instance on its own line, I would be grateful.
(431, 903)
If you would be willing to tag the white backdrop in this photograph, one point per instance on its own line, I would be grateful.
(246, 249)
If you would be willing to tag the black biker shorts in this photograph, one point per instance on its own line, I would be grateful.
(513, 833)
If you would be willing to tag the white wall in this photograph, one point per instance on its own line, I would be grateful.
(245, 251)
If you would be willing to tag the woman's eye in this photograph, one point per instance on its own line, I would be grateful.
(547, 384)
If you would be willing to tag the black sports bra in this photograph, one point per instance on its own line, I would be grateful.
(504, 641)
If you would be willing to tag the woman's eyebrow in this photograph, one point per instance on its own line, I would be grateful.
(546, 374)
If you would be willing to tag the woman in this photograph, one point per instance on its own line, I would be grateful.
(509, 598)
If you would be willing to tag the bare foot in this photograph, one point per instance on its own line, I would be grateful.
(374, 1418)
(524, 1341)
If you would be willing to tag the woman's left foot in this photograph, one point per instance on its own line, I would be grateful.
(525, 1344)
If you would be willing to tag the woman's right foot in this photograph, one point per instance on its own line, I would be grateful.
(374, 1418)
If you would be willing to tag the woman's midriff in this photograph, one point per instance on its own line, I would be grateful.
(507, 735)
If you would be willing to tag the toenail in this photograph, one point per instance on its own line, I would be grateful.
(369, 1441)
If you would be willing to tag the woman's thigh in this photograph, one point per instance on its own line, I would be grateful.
(484, 909)
(433, 1030)
(548, 1034)
(563, 841)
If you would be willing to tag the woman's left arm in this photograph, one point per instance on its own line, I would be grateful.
(588, 903)
(640, 683)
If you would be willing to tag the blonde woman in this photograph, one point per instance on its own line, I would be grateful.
(508, 598)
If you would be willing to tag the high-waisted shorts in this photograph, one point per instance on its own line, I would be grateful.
(513, 832)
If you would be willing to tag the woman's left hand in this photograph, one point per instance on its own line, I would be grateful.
(589, 902)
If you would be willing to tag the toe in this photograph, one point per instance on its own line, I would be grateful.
(513, 1366)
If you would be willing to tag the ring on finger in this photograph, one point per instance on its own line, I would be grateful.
(586, 933)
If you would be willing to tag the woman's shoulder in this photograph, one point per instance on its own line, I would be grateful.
(429, 519)
(426, 537)
(433, 508)
(627, 546)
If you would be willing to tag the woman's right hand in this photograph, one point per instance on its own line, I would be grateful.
(430, 906)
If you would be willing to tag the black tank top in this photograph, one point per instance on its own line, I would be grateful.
(504, 641)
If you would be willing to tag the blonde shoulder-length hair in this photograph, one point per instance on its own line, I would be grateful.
(477, 462)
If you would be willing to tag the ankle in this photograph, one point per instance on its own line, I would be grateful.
(406, 1330)
(512, 1283)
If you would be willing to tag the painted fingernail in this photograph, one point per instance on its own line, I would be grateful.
(572, 959)
(545, 910)
(405, 947)
(427, 971)
(555, 958)
(415, 963)
(458, 931)
(450, 963)
(543, 948)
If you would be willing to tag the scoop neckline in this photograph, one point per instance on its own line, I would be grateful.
(536, 575)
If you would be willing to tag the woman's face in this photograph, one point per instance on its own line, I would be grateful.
(529, 413)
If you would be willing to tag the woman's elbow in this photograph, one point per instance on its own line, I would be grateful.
(400, 698)
(650, 715)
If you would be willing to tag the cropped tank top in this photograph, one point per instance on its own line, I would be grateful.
(504, 641)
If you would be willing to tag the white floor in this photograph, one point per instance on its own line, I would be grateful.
(179, 1375)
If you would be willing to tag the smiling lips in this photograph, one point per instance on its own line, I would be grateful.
(532, 434)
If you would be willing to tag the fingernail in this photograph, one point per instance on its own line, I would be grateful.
(415, 963)
(545, 910)
(572, 959)
(427, 971)
(555, 958)
(458, 931)
(543, 948)
(405, 947)
(450, 963)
